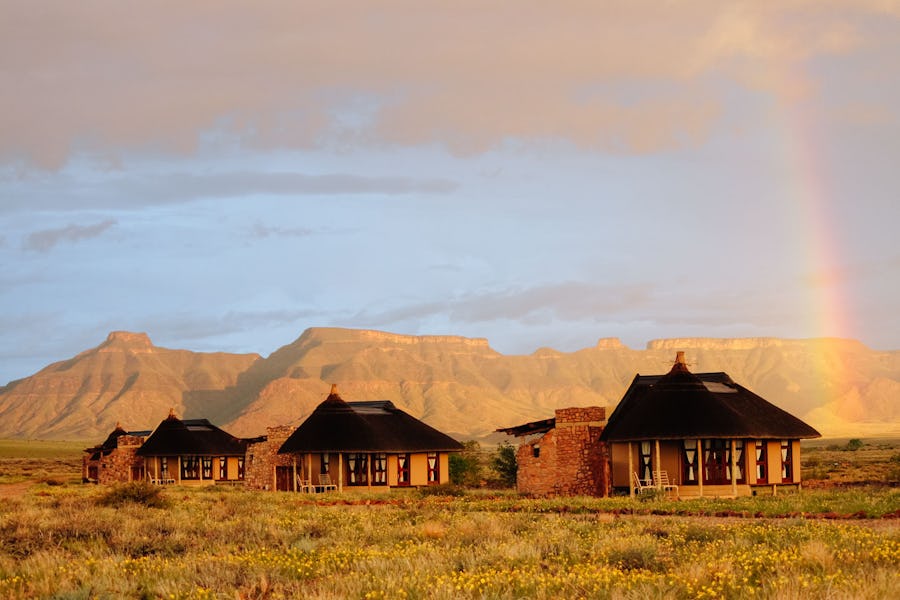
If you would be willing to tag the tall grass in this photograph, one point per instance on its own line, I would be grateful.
(76, 541)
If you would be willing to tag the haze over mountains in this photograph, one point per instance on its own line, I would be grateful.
(459, 385)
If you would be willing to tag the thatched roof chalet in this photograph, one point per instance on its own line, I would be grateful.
(372, 426)
(684, 405)
(197, 437)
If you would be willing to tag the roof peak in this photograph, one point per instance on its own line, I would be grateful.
(680, 365)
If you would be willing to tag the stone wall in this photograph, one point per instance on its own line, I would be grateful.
(263, 457)
(569, 459)
(116, 466)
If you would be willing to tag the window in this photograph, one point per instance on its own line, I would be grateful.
(206, 461)
(761, 460)
(357, 466)
(223, 468)
(240, 467)
(689, 462)
(324, 465)
(190, 467)
(716, 462)
(739, 461)
(163, 468)
(536, 451)
(787, 462)
(403, 469)
(434, 466)
(379, 469)
(646, 468)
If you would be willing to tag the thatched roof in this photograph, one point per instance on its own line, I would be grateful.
(197, 437)
(532, 428)
(112, 441)
(379, 426)
(683, 405)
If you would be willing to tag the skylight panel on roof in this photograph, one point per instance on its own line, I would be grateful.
(719, 388)
(198, 428)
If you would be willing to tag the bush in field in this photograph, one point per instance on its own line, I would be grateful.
(465, 467)
(444, 489)
(892, 473)
(141, 492)
(854, 444)
(505, 465)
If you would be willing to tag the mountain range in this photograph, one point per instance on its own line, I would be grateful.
(459, 385)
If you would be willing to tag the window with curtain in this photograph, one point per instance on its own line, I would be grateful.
(206, 461)
(403, 469)
(646, 461)
(761, 460)
(689, 461)
(190, 467)
(324, 464)
(379, 469)
(787, 462)
(716, 461)
(434, 475)
(357, 467)
(739, 461)
(223, 468)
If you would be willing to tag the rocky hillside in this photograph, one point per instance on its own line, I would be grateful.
(125, 379)
(459, 385)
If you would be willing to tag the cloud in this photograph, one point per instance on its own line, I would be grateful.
(263, 231)
(44, 240)
(567, 301)
(61, 191)
(106, 77)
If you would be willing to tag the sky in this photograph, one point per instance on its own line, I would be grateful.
(224, 175)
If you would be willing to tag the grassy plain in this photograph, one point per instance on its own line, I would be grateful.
(62, 539)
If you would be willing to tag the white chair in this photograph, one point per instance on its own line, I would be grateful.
(325, 483)
(662, 482)
(639, 484)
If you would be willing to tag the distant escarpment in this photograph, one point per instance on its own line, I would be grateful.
(459, 385)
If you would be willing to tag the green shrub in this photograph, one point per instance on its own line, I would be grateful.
(140, 492)
(444, 489)
(854, 444)
(505, 465)
(465, 467)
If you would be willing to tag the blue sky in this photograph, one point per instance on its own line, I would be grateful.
(223, 176)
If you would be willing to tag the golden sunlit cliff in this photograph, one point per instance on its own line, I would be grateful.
(459, 385)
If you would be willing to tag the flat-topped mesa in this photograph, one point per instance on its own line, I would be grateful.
(117, 341)
(610, 343)
(397, 338)
(337, 334)
(715, 343)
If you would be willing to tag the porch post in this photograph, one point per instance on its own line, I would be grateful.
(700, 466)
(201, 467)
(340, 471)
(309, 471)
(294, 465)
(630, 470)
(733, 469)
(369, 470)
(179, 469)
(655, 474)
